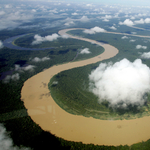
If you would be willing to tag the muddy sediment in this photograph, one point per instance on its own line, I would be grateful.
(50, 117)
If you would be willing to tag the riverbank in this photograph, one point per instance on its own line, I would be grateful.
(10, 43)
(45, 112)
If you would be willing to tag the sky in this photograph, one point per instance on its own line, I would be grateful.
(126, 2)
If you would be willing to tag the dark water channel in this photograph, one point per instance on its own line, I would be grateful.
(9, 44)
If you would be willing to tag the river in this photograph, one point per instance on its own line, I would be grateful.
(9, 44)
(50, 117)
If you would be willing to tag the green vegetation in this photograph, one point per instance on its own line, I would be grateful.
(73, 95)
(22, 129)
(65, 51)
(72, 91)
(63, 46)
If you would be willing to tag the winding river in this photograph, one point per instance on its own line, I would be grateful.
(9, 43)
(49, 116)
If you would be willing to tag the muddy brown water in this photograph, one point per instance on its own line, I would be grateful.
(50, 117)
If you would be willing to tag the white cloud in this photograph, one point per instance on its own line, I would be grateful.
(94, 30)
(18, 16)
(146, 55)
(85, 51)
(122, 83)
(64, 14)
(69, 23)
(55, 83)
(89, 31)
(113, 28)
(33, 10)
(65, 36)
(116, 15)
(6, 143)
(133, 33)
(13, 19)
(8, 6)
(141, 47)
(98, 29)
(51, 37)
(132, 40)
(140, 15)
(127, 22)
(37, 59)
(13, 77)
(106, 20)
(107, 17)
(26, 68)
(124, 37)
(89, 5)
(74, 14)
(2, 12)
(132, 18)
(39, 39)
(141, 21)
(84, 19)
(17, 67)
(1, 44)
(147, 20)
(53, 11)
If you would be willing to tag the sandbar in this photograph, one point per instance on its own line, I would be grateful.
(50, 117)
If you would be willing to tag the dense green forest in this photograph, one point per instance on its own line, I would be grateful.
(36, 17)
(22, 129)
(72, 91)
